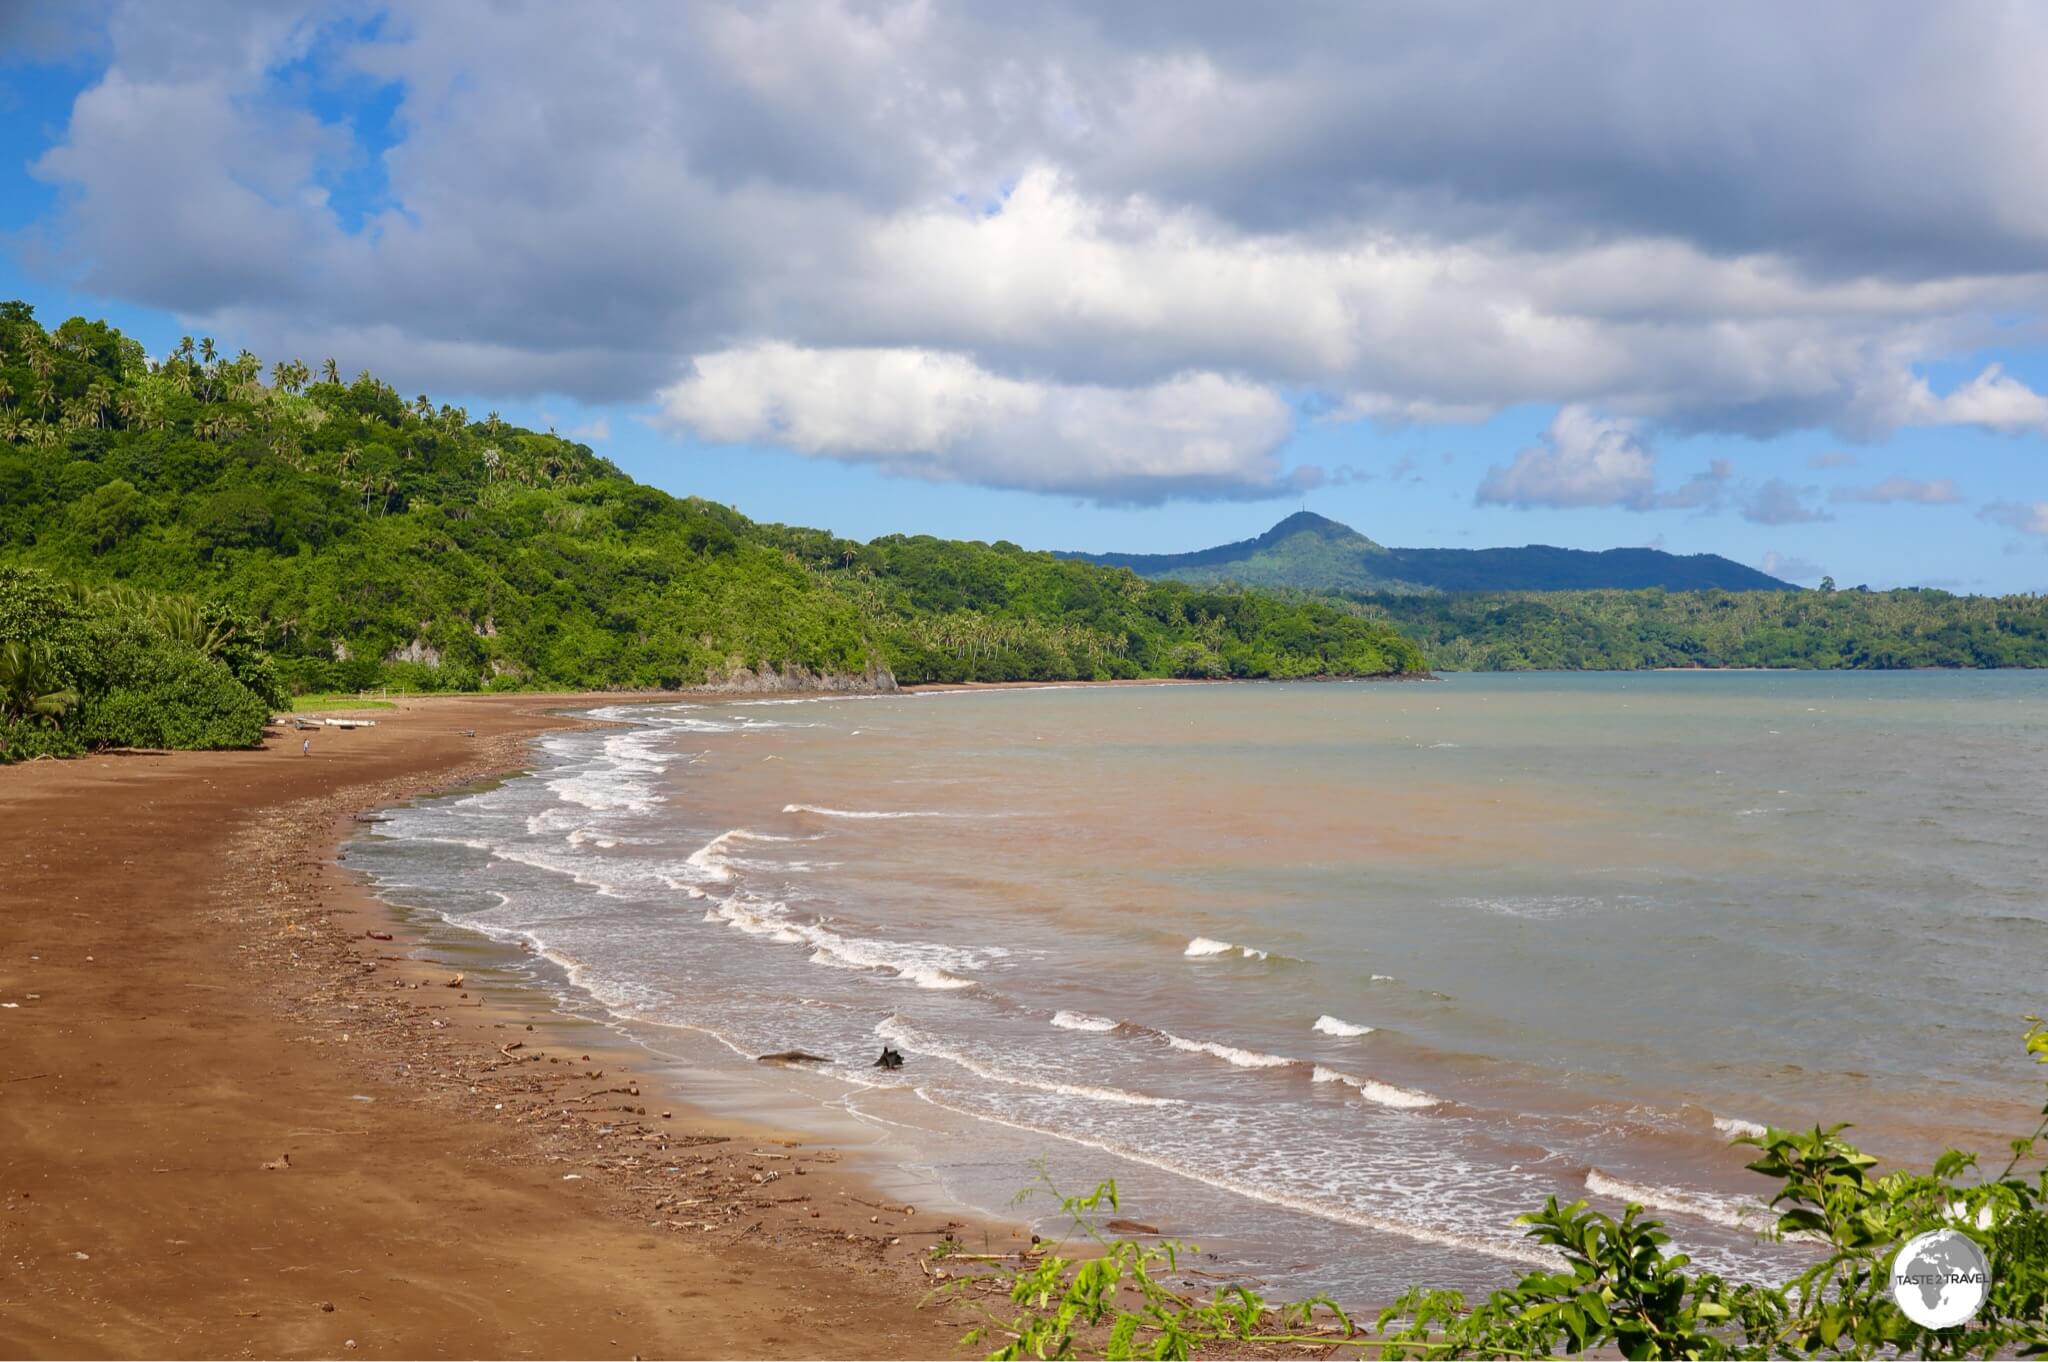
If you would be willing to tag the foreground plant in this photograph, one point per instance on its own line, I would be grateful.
(1617, 1286)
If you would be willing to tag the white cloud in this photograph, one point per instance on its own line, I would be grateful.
(2026, 517)
(939, 416)
(1585, 459)
(1412, 214)
(1993, 400)
(1788, 568)
(1920, 491)
(592, 432)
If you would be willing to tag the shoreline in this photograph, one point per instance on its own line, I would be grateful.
(248, 1109)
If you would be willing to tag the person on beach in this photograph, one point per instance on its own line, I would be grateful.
(306, 748)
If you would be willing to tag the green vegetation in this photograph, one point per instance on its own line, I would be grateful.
(1308, 552)
(83, 668)
(1617, 1287)
(1625, 630)
(373, 541)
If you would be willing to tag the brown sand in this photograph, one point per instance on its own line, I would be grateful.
(196, 997)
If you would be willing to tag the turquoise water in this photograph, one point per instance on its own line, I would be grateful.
(1331, 976)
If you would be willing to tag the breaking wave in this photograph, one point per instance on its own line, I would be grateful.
(1081, 1021)
(1385, 1094)
(1337, 1026)
(1243, 1059)
(893, 1031)
(1203, 945)
(823, 812)
(1720, 1210)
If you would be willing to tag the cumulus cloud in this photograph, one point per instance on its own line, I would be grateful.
(1789, 568)
(1919, 491)
(1993, 400)
(2026, 517)
(939, 416)
(1583, 459)
(1411, 214)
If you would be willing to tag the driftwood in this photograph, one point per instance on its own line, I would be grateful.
(792, 1057)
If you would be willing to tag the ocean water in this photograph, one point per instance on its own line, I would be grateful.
(1336, 979)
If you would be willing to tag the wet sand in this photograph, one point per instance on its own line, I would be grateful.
(241, 1116)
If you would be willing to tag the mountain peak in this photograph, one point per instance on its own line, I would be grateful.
(1308, 522)
(1310, 552)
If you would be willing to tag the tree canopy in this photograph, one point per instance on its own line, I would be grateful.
(368, 539)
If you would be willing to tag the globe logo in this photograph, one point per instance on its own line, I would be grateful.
(1940, 1279)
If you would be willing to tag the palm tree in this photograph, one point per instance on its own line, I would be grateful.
(184, 350)
(6, 393)
(98, 397)
(207, 350)
(331, 371)
(30, 687)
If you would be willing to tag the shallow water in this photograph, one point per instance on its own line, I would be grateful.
(1336, 979)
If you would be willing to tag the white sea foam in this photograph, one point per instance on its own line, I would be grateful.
(1336, 1026)
(1492, 1248)
(1720, 1210)
(1203, 945)
(1537, 906)
(865, 813)
(917, 962)
(1732, 1125)
(896, 1033)
(1081, 1021)
(1243, 1059)
(1385, 1094)
(1383, 978)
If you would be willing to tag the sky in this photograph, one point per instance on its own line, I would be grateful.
(1759, 280)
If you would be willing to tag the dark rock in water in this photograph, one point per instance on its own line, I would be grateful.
(1130, 1227)
(792, 1057)
(891, 1059)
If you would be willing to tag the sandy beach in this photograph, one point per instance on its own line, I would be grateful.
(239, 1115)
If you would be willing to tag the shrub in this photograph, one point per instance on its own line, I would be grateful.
(151, 693)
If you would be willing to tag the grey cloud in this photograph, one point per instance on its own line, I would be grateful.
(2026, 517)
(1778, 502)
(1422, 213)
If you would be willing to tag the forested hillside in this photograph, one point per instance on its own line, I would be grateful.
(1308, 552)
(1597, 630)
(368, 538)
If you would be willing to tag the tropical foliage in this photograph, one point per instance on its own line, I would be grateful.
(374, 540)
(1617, 1286)
(119, 667)
(1625, 630)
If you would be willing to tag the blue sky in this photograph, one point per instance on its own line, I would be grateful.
(1145, 279)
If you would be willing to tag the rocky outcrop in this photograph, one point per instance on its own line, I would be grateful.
(419, 650)
(876, 680)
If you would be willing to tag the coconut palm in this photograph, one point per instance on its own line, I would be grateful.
(30, 687)
(331, 371)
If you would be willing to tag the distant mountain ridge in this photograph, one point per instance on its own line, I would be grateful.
(1310, 552)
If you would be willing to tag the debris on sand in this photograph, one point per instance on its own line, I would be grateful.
(792, 1057)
